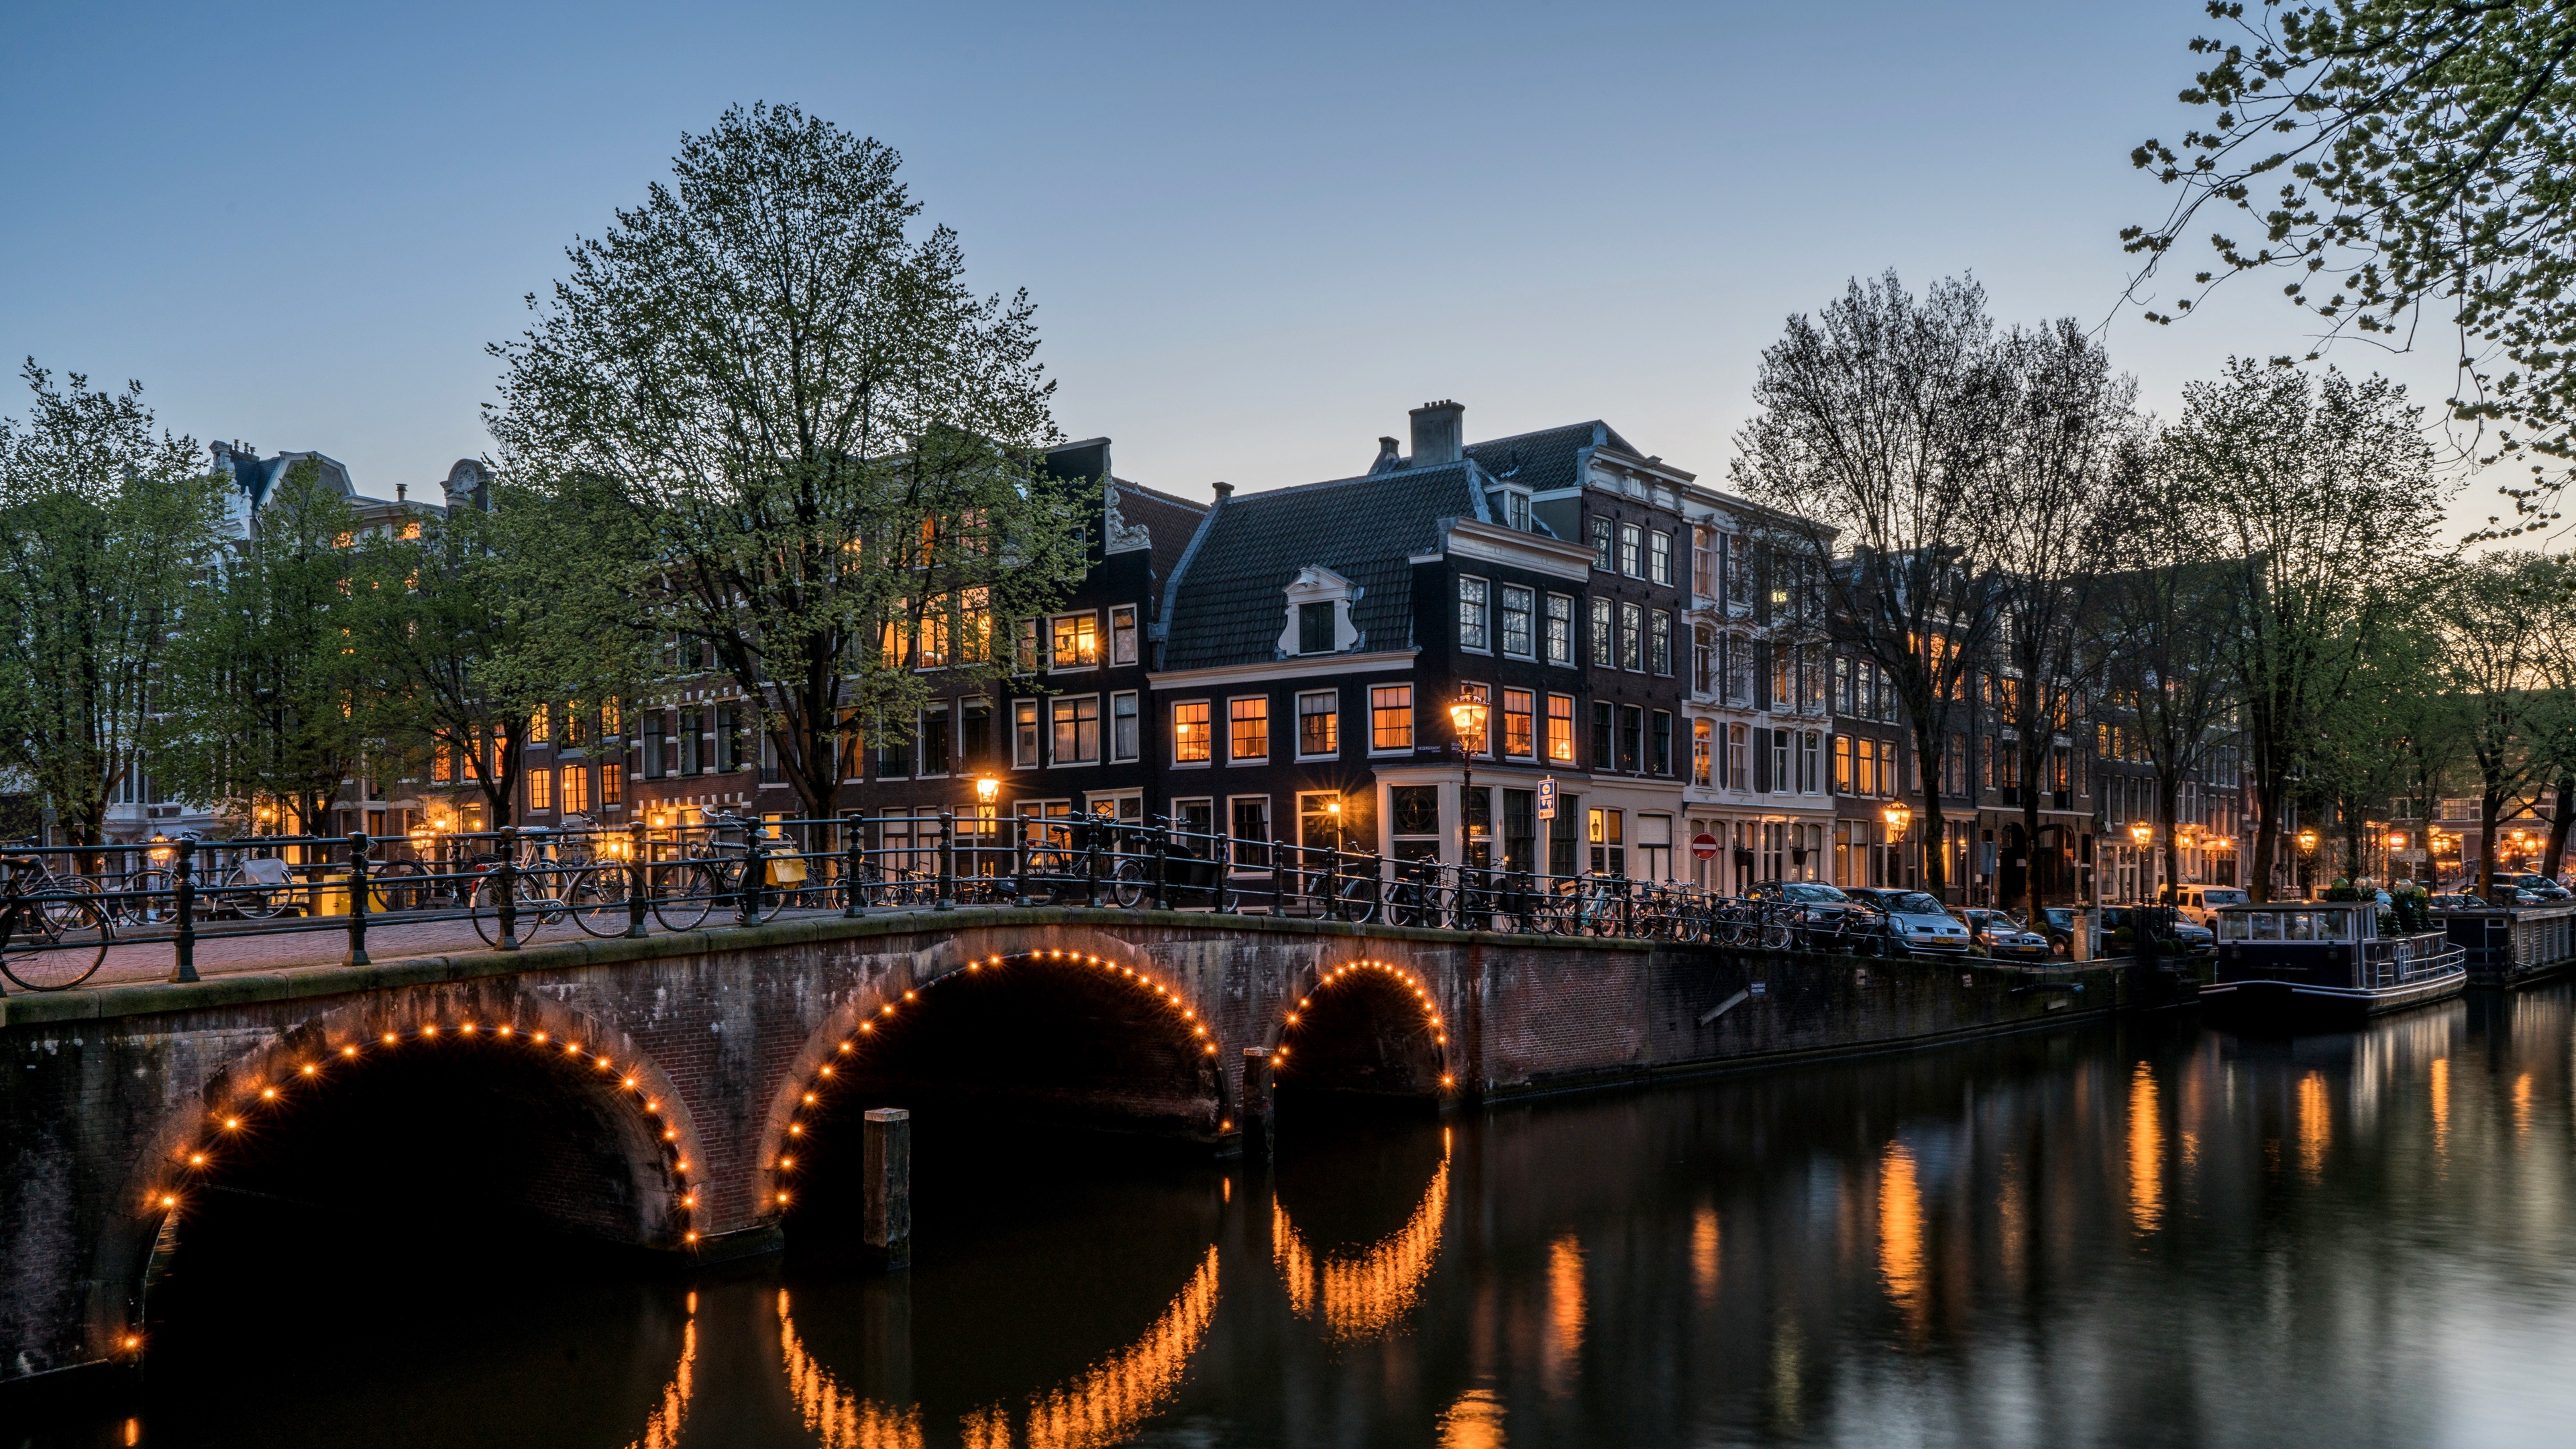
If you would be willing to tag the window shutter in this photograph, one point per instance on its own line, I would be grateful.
(1761, 760)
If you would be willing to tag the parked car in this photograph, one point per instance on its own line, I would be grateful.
(2004, 937)
(2458, 901)
(2199, 904)
(2543, 887)
(2122, 925)
(1916, 921)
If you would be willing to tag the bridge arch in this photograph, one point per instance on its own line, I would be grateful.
(1363, 1023)
(650, 1153)
(1173, 1035)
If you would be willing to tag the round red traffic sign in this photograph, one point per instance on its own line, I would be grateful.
(1703, 847)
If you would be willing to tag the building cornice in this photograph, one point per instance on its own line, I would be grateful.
(1303, 666)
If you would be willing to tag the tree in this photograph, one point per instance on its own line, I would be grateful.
(1879, 426)
(2069, 429)
(103, 525)
(472, 627)
(2163, 615)
(270, 702)
(2396, 728)
(825, 449)
(2395, 153)
(2493, 615)
(2317, 493)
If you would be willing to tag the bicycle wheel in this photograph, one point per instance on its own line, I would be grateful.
(766, 900)
(151, 903)
(599, 900)
(1128, 885)
(399, 885)
(682, 892)
(531, 910)
(247, 898)
(57, 944)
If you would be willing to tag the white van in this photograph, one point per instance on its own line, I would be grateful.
(2199, 904)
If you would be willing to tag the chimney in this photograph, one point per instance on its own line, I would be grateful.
(1388, 457)
(1438, 434)
(402, 492)
(1224, 491)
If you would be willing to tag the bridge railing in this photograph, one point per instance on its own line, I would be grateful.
(678, 872)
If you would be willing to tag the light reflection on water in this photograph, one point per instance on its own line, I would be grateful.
(2153, 1233)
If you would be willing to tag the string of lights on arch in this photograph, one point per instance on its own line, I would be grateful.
(1350, 973)
(273, 1089)
(827, 1073)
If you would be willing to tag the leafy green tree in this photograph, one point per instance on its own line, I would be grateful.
(2318, 493)
(2389, 155)
(2493, 615)
(104, 524)
(1879, 431)
(270, 703)
(808, 445)
(2395, 727)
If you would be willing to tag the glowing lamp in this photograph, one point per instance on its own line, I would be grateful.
(2307, 840)
(2397, 840)
(1897, 817)
(2142, 833)
(1468, 715)
(987, 790)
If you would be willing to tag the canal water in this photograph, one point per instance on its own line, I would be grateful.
(2141, 1234)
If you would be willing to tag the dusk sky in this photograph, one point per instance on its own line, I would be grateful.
(1255, 237)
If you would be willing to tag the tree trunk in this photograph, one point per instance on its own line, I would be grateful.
(2490, 805)
(2267, 836)
(1936, 859)
(2555, 861)
(2168, 805)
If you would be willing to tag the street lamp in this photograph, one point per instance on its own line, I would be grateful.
(1897, 818)
(2143, 833)
(2308, 840)
(987, 790)
(1467, 715)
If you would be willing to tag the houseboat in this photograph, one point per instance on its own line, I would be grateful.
(2325, 961)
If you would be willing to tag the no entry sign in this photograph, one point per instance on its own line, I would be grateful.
(1703, 847)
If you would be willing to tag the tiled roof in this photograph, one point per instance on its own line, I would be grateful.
(1231, 607)
(1544, 460)
(1168, 520)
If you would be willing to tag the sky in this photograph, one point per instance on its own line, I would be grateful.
(1256, 235)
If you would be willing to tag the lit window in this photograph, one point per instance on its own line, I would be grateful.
(612, 784)
(1077, 642)
(541, 789)
(1190, 738)
(1391, 717)
(1560, 729)
(537, 726)
(1319, 723)
(576, 789)
(1520, 728)
(1249, 734)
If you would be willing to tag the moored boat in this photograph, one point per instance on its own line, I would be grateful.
(2325, 961)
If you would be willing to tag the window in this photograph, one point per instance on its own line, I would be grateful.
(689, 742)
(1701, 741)
(1659, 641)
(1077, 642)
(1810, 762)
(1077, 730)
(1632, 550)
(1703, 566)
(1780, 761)
(612, 784)
(1122, 634)
(1739, 669)
(1024, 734)
(1632, 738)
(1520, 829)
(1518, 605)
(655, 756)
(1600, 542)
(1472, 629)
(1842, 764)
(1632, 638)
(1249, 740)
(1391, 717)
(1319, 724)
(1605, 744)
(974, 730)
(1605, 634)
(1659, 743)
(541, 789)
(1026, 657)
(1607, 831)
(1517, 511)
(1191, 741)
(1659, 557)
(1122, 726)
(932, 740)
(1560, 728)
(1251, 830)
(1315, 628)
(1520, 727)
(1842, 684)
(1738, 586)
(1560, 629)
(1739, 772)
(576, 789)
(538, 726)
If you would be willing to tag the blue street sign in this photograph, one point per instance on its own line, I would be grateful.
(1547, 797)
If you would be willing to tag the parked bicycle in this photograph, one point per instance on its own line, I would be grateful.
(51, 939)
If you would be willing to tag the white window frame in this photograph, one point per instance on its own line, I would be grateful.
(1659, 557)
(1632, 550)
(1122, 634)
(1098, 744)
(1548, 616)
(1537, 722)
(1298, 729)
(1037, 742)
(1057, 666)
(1174, 715)
(1230, 757)
(1529, 613)
(1413, 722)
(1483, 621)
(1136, 707)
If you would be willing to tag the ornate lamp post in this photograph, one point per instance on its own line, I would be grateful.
(1467, 716)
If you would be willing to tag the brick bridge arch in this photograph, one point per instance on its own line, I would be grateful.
(656, 1143)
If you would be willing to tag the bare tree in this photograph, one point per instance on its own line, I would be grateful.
(1881, 422)
(2068, 429)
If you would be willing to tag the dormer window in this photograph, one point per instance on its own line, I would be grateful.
(1319, 613)
(1315, 627)
(1516, 508)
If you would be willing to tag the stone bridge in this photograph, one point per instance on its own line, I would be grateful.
(676, 1094)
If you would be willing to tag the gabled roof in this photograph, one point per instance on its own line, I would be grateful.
(1167, 520)
(1545, 460)
(1230, 608)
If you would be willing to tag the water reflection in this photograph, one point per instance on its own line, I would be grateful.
(2150, 1233)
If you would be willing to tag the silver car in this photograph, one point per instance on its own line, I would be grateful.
(1915, 921)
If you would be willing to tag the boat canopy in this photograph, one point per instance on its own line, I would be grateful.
(2332, 922)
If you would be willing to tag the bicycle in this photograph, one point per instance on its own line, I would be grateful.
(538, 898)
(52, 940)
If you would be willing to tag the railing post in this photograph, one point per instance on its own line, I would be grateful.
(1019, 861)
(947, 861)
(755, 869)
(636, 848)
(357, 900)
(183, 880)
(1092, 830)
(1162, 864)
(1332, 907)
(505, 886)
(854, 861)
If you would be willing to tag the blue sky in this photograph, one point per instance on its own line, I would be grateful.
(1256, 235)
